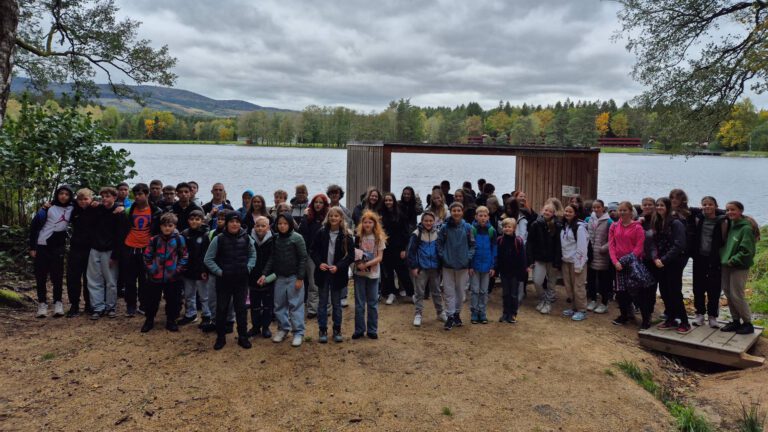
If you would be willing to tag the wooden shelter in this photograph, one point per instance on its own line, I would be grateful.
(542, 172)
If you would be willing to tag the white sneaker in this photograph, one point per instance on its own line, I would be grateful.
(713, 322)
(42, 310)
(698, 321)
(592, 305)
(58, 309)
(390, 299)
(297, 340)
(539, 306)
(601, 309)
(546, 309)
(417, 320)
(403, 293)
(442, 316)
(279, 336)
(344, 302)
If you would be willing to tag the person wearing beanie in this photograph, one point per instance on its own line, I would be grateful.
(230, 257)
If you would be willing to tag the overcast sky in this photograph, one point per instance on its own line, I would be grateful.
(291, 54)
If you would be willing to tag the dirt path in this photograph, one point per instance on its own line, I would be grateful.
(545, 373)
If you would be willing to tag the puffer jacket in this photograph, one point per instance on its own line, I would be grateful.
(598, 238)
(166, 257)
(543, 245)
(422, 249)
(485, 248)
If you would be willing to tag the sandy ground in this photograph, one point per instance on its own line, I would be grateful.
(545, 373)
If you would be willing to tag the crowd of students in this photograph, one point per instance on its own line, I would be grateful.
(214, 264)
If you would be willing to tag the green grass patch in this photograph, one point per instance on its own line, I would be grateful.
(688, 420)
(447, 412)
(749, 154)
(48, 356)
(758, 276)
(609, 372)
(752, 418)
(628, 150)
(150, 141)
(643, 377)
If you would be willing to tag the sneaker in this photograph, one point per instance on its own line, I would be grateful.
(483, 319)
(645, 325)
(337, 336)
(667, 325)
(504, 318)
(209, 327)
(130, 312)
(713, 322)
(344, 302)
(592, 305)
(58, 309)
(620, 320)
(112, 313)
(372, 335)
(579, 316)
(95, 316)
(172, 326)
(540, 306)
(357, 335)
(279, 336)
(220, 342)
(731, 326)
(568, 313)
(297, 340)
(684, 328)
(512, 319)
(187, 320)
(311, 315)
(448, 323)
(148, 325)
(417, 320)
(42, 310)
(265, 333)
(204, 321)
(601, 309)
(442, 316)
(244, 342)
(546, 309)
(698, 321)
(323, 337)
(253, 331)
(457, 320)
(73, 312)
(745, 329)
(403, 293)
(474, 319)
(390, 299)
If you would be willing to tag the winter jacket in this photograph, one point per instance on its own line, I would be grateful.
(297, 210)
(289, 256)
(511, 260)
(625, 240)
(485, 248)
(208, 207)
(739, 250)
(456, 244)
(81, 222)
(573, 245)
(264, 250)
(544, 245)
(397, 233)
(308, 230)
(231, 254)
(422, 249)
(197, 245)
(716, 240)
(165, 257)
(183, 214)
(598, 238)
(670, 242)
(106, 229)
(343, 256)
(49, 226)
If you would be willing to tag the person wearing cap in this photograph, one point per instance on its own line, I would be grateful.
(230, 257)
(247, 197)
(196, 274)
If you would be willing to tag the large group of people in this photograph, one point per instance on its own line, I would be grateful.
(292, 261)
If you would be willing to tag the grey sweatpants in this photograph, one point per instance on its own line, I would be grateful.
(431, 278)
(541, 271)
(734, 281)
(102, 281)
(454, 284)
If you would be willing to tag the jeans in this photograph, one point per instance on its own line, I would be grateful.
(289, 305)
(509, 289)
(322, 312)
(49, 260)
(134, 273)
(478, 283)
(707, 280)
(262, 304)
(545, 271)
(428, 278)
(77, 283)
(454, 282)
(366, 297)
(231, 290)
(193, 288)
(102, 281)
(154, 292)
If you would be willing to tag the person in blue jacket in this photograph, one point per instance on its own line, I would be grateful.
(483, 264)
(456, 248)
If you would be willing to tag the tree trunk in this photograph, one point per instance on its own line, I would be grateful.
(9, 21)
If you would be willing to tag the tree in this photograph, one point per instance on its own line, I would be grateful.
(602, 123)
(523, 131)
(558, 128)
(581, 129)
(758, 140)
(684, 60)
(620, 124)
(473, 125)
(498, 123)
(56, 40)
(735, 132)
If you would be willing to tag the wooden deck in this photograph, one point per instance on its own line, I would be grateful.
(705, 343)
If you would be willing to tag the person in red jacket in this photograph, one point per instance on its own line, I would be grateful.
(624, 238)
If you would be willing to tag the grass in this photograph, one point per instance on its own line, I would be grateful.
(752, 418)
(627, 150)
(48, 356)
(750, 154)
(609, 372)
(687, 418)
(11, 298)
(447, 412)
(643, 377)
(758, 276)
(149, 141)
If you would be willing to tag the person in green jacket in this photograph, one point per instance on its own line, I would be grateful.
(736, 258)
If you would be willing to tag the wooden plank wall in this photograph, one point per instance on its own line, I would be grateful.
(541, 175)
(365, 167)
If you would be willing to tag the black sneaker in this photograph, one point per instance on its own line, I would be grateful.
(731, 326)
(253, 331)
(503, 318)
(148, 325)
(448, 323)
(373, 336)
(204, 321)
(186, 320)
(208, 327)
(357, 335)
(220, 342)
(172, 327)
(265, 333)
(457, 320)
(73, 312)
(745, 329)
(244, 342)
(620, 320)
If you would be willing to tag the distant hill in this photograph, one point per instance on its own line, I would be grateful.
(160, 98)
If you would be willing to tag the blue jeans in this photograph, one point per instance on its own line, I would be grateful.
(366, 295)
(478, 283)
(193, 288)
(322, 311)
(289, 305)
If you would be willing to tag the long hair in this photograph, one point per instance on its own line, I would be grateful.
(343, 228)
(392, 214)
(367, 202)
(312, 214)
(658, 222)
(511, 208)
(574, 224)
(682, 210)
(263, 211)
(378, 230)
(438, 211)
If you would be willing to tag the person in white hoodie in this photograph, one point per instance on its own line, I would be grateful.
(573, 244)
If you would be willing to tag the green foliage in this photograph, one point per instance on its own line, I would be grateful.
(581, 130)
(752, 418)
(10, 298)
(48, 356)
(758, 275)
(642, 377)
(688, 420)
(43, 149)
(758, 139)
(447, 412)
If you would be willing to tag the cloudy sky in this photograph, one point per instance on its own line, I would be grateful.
(291, 54)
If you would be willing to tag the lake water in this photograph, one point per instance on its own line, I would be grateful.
(622, 176)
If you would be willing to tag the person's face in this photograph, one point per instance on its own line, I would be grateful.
(547, 212)
(169, 196)
(458, 197)
(220, 222)
(522, 199)
(63, 196)
(246, 200)
(301, 195)
(279, 199)
(676, 201)
(407, 195)
(195, 222)
(708, 207)
(438, 200)
(84, 201)
(373, 198)
(508, 229)
(167, 228)
(368, 225)
(648, 207)
(598, 209)
(282, 226)
(445, 188)
(193, 189)
(318, 204)
(457, 213)
(625, 214)
(334, 196)
(155, 190)
(261, 228)
(428, 222)
(334, 218)
(108, 200)
(733, 212)
(492, 207)
(140, 198)
(661, 208)
(257, 204)
(614, 214)
(569, 213)
(389, 203)
(233, 226)
(482, 218)
(122, 192)
(218, 192)
(184, 195)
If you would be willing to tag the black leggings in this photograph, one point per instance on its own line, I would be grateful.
(49, 260)
(671, 287)
(392, 265)
(510, 286)
(599, 282)
(155, 291)
(706, 286)
(77, 283)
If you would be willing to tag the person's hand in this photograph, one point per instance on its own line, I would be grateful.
(578, 270)
(33, 253)
(204, 276)
(618, 267)
(360, 266)
(333, 269)
(492, 273)
(261, 280)
(47, 205)
(214, 211)
(95, 203)
(119, 209)
(471, 272)
(415, 272)
(658, 263)
(402, 255)
(323, 267)
(299, 284)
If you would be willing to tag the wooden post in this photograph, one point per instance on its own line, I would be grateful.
(543, 174)
(365, 167)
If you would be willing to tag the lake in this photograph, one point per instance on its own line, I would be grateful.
(622, 176)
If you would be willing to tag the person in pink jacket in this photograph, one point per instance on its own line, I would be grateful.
(625, 237)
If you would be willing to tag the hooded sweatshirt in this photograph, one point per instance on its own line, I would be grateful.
(739, 250)
(485, 247)
(289, 253)
(625, 240)
(49, 226)
(422, 249)
(573, 245)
